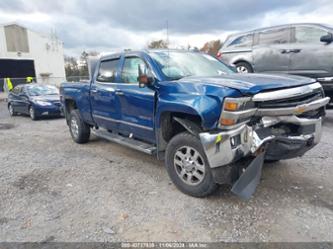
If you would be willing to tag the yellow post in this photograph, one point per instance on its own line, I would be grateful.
(9, 84)
(29, 79)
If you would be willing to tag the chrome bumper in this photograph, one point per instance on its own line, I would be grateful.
(221, 150)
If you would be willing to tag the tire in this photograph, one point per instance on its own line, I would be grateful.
(244, 67)
(80, 131)
(32, 113)
(11, 110)
(186, 145)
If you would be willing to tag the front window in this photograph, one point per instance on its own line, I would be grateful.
(176, 64)
(309, 34)
(130, 71)
(42, 90)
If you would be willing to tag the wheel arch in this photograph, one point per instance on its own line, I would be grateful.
(172, 123)
(242, 61)
(69, 105)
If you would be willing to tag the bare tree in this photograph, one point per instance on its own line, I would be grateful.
(158, 44)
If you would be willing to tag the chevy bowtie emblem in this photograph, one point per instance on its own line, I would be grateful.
(300, 109)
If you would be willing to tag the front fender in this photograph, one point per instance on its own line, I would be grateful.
(208, 108)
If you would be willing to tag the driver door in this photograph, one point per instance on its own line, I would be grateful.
(310, 57)
(136, 104)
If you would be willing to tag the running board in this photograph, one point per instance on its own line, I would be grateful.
(128, 142)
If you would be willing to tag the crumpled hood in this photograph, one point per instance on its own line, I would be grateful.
(249, 84)
(48, 98)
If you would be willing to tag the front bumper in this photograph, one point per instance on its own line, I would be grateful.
(225, 147)
(52, 110)
(327, 84)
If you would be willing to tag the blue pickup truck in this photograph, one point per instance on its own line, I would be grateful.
(209, 124)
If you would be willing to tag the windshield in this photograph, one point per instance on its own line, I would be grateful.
(176, 65)
(42, 90)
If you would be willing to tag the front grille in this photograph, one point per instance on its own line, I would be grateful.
(291, 102)
(57, 104)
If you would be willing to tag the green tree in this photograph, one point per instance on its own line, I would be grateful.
(71, 66)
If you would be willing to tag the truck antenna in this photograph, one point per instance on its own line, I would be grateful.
(167, 42)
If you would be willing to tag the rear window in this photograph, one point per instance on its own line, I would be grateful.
(17, 89)
(241, 41)
(277, 36)
(107, 70)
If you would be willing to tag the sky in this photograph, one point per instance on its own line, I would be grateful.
(109, 25)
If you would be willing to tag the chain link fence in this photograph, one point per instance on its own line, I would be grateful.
(56, 81)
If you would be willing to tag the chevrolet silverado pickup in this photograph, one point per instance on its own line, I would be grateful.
(209, 124)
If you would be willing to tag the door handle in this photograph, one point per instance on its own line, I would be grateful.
(118, 92)
(285, 51)
(295, 50)
(94, 90)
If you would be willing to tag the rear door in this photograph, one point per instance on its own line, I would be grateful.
(309, 56)
(237, 49)
(24, 100)
(104, 102)
(270, 50)
(136, 104)
(14, 98)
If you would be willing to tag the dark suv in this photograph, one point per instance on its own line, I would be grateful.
(302, 49)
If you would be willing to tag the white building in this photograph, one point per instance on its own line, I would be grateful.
(25, 53)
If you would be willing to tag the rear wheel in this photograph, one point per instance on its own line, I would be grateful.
(244, 67)
(32, 113)
(11, 110)
(188, 167)
(80, 131)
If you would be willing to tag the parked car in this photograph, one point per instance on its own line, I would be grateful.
(35, 100)
(210, 125)
(301, 49)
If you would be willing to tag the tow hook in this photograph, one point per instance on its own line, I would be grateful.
(247, 183)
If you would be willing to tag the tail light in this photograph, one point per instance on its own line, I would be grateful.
(219, 55)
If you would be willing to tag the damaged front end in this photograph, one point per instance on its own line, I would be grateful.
(274, 125)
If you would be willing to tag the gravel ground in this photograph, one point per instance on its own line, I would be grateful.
(52, 189)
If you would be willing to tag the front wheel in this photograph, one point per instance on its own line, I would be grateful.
(188, 167)
(11, 110)
(32, 113)
(244, 67)
(79, 130)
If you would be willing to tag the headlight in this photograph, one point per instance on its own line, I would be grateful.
(236, 111)
(42, 103)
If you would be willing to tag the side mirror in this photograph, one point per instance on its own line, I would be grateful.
(145, 78)
(327, 38)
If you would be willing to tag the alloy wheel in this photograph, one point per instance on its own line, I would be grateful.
(32, 113)
(74, 127)
(11, 110)
(189, 165)
(242, 69)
